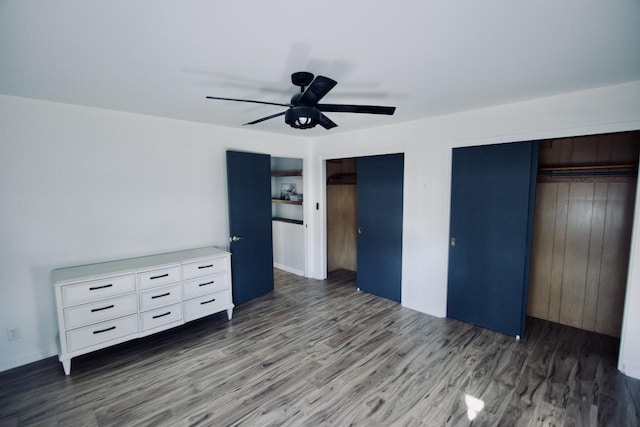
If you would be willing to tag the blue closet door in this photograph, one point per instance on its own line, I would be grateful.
(379, 218)
(492, 205)
(249, 187)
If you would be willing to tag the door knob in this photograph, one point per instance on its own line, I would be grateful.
(359, 230)
(235, 238)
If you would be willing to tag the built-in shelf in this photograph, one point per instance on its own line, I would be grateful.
(287, 184)
(286, 202)
(286, 173)
(290, 221)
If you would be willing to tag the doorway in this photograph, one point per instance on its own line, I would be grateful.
(341, 214)
(288, 223)
(582, 218)
(364, 221)
(584, 210)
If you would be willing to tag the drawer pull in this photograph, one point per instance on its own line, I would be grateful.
(208, 283)
(104, 330)
(93, 310)
(159, 277)
(207, 302)
(160, 296)
(162, 315)
(205, 266)
(101, 287)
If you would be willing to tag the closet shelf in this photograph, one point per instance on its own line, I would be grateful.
(588, 169)
(342, 179)
(588, 173)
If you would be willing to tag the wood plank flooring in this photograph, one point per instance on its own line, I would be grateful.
(321, 353)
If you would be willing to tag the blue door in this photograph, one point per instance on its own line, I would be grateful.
(249, 186)
(492, 204)
(379, 218)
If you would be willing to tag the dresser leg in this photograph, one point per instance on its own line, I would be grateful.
(229, 313)
(66, 365)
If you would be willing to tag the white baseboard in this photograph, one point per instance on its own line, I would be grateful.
(631, 370)
(288, 269)
(25, 360)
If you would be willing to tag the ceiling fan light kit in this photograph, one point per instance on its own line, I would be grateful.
(304, 110)
(302, 117)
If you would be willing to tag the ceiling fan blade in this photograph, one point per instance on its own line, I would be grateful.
(265, 118)
(320, 86)
(249, 100)
(326, 122)
(366, 109)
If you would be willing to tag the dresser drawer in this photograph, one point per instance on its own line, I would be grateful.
(206, 304)
(96, 289)
(206, 284)
(160, 316)
(159, 297)
(203, 267)
(99, 311)
(102, 332)
(159, 277)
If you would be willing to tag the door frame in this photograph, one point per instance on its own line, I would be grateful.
(322, 254)
(307, 208)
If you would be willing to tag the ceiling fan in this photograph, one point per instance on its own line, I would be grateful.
(304, 111)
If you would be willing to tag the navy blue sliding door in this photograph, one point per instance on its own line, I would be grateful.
(379, 217)
(249, 185)
(492, 204)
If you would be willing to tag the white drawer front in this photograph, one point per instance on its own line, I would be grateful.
(163, 276)
(97, 289)
(111, 308)
(205, 305)
(204, 267)
(206, 284)
(159, 297)
(102, 332)
(160, 316)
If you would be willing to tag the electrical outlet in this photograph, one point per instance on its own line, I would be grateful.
(13, 333)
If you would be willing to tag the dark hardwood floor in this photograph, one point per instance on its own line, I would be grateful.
(320, 353)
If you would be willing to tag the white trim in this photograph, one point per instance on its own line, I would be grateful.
(288, 269)
(33, 357)
(630, 370)
(400, 149)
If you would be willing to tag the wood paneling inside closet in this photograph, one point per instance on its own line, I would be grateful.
(582, 230)
(341, 214)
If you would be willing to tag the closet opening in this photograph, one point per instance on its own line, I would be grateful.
(364, 212)
(341, 193)
(585, 197)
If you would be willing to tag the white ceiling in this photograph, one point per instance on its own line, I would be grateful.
(427, 58)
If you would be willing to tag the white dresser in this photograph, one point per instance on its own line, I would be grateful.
(103, 304)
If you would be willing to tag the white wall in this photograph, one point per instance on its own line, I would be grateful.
(427, 146)
(288, 247)
(81, 185)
